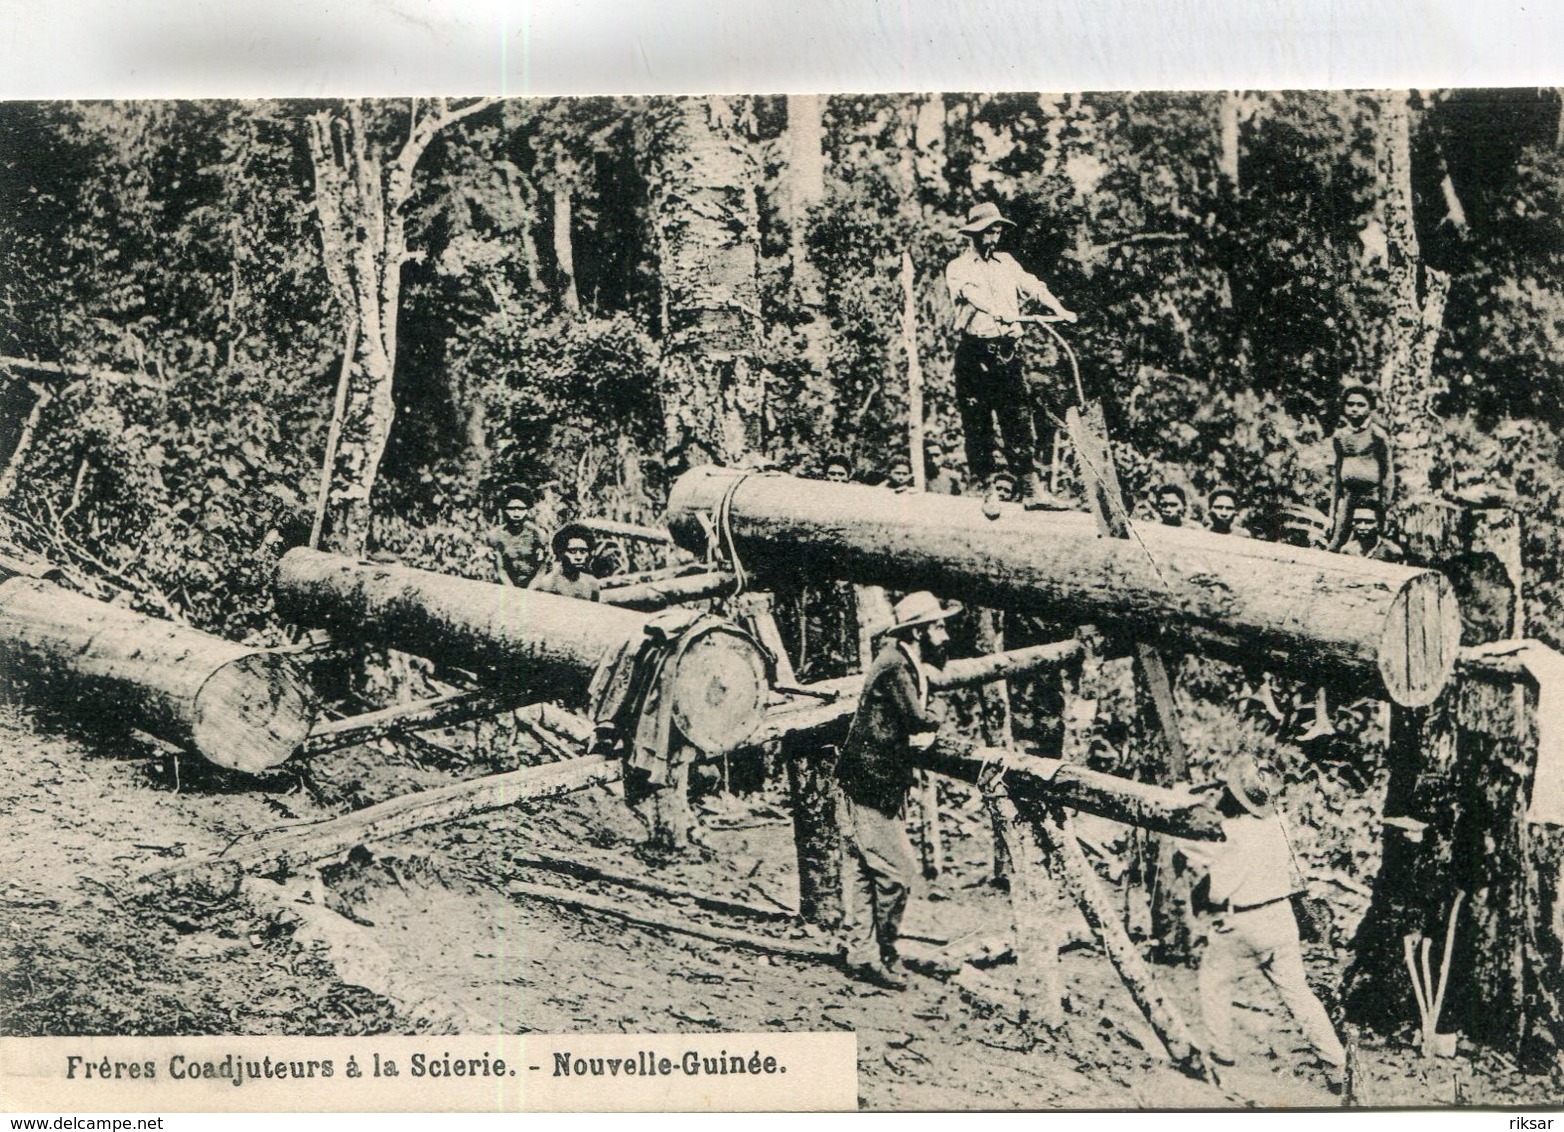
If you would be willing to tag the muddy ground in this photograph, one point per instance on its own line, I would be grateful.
(464, 945)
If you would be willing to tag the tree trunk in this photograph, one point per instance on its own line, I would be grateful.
(1417, 295)
(1302, 610)
(564, 244)
(1465, 767)
(804, 173)
(24, 402)
(536, 642)
(1056, 836)
(241, 708)
(703, 208)
(811, 777)
(360, 193)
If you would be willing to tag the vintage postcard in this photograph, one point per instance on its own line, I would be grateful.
(964, 601)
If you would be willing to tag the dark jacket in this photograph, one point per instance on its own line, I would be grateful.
(876, 768)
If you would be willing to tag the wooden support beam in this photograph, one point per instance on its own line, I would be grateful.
(615, 528)
(1302, 610)
(663, 592)
(1056, 836)
(421, 715)
(662, 573)
(293, 848)
(1037, 930)
(1037, 783)
(819, 713)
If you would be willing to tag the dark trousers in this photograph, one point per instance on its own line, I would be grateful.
(877, 877)
(989, 385)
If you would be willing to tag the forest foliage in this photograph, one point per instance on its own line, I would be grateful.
(1226, 251)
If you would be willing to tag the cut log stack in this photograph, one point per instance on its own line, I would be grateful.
(241, 708)
(1300, 610)
(537, 643)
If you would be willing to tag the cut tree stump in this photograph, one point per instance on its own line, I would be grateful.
(238, 707)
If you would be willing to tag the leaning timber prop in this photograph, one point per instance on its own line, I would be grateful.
(242, 708)
(538, 644)
(1303, 610)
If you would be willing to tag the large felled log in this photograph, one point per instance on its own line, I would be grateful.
(539, 643)
(242, 708)
(1464, 769)
(1304, 610)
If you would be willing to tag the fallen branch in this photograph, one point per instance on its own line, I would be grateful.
(583, 871)
(295, 847)
(586, 902)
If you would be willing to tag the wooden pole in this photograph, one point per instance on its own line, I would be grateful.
(1300, 609)
(241, 708)
(294, 848)
(931, 846)
(1056, 835)
(663, 592)
(536, 643)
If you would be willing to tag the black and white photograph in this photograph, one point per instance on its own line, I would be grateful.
(1064, 588)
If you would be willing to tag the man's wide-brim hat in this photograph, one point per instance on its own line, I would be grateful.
(1247, 783)
(570, 531)
(983, 217)
(920, 608)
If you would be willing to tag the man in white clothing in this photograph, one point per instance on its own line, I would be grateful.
(988, 288)
(1252, 878)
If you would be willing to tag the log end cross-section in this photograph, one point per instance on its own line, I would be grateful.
(252, 713)
(1420, 640)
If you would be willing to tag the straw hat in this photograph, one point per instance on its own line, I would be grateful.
(984, 216)
(920, 608)
(1247, 783)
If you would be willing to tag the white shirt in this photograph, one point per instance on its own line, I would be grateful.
(983, 288)
(1254, 865)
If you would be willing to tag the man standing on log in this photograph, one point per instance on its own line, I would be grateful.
(569, 577)
(1251, 878)
(988, 288)
(876, 772)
